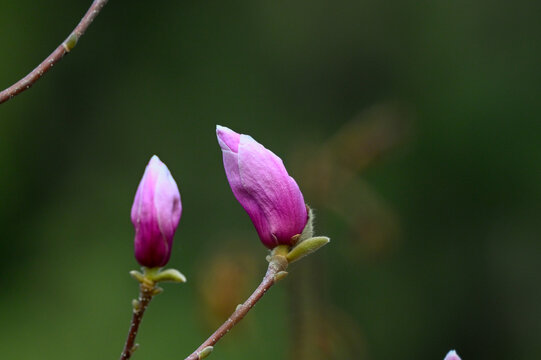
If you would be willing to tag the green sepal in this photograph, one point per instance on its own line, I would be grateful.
(306, 247)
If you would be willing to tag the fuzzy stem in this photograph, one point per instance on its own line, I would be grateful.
(145, 295)
(277, 263)
(64, 48)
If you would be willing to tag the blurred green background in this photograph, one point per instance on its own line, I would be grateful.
(412, 127)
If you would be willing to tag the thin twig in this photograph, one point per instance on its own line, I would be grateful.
(242, 310)
(56, 55)
(145, 295)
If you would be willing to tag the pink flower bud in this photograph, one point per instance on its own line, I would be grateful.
(155, 214)
(452, 355)
(261, 184)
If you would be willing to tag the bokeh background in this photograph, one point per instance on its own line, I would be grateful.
(412, 127)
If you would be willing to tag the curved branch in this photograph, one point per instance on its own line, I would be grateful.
(145, 295)
(56, 55)
(270, 278)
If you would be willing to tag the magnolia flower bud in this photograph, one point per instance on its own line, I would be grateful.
(261, 184)
(452, 355)
(155, 215)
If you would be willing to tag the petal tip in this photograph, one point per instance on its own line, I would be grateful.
(223, 130)
(155, 162)
(227, 138)
(452, 355)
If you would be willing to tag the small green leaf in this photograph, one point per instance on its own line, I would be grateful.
(205, 352)
(70, 42)
(137, 276)
(156, 290)
(280, 275)
(308, 231)
(169, 275)
(136, 304)
(307, 247)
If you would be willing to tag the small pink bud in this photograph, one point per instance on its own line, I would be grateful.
(155, 214)
(452, 355)
(262, 186)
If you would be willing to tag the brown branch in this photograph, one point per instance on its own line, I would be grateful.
(145, 295)
(56, 55)
(276, 265)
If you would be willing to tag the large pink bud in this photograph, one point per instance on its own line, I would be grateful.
(263, 187)
(155, 215)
